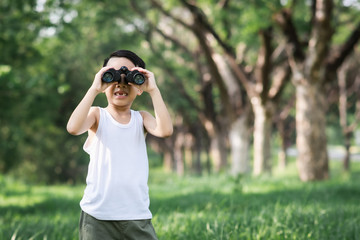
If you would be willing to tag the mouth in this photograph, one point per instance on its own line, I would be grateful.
(120, 93)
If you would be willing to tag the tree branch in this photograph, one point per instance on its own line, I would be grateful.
(202, 22)
(338, 57)
(263, 65)
(168, 14)
(172, 76)
(172, 39)
(206, 49)
(280, 78)
(200, 18)
(318, 47)
(286, 24)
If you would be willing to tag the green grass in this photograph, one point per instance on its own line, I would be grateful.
(208, 207)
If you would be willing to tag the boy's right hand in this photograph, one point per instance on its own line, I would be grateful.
(98, 85)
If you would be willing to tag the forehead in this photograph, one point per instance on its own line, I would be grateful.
(118, 62)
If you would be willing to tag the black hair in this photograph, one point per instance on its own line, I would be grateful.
(135, 59)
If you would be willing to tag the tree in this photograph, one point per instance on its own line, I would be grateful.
(206, 109)
(313, 65)
(50, 54)
(349, 99)
(232, 79)
(20, 25)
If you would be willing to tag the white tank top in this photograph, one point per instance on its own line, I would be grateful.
(118, 170)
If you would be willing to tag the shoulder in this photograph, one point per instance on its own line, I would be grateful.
(95, 114)
(148, 119)
(145, 115)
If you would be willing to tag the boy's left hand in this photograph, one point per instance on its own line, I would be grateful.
(150, 84)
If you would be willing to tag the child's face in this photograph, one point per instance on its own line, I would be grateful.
(121, 94)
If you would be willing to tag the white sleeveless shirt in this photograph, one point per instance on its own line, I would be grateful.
(118, 170)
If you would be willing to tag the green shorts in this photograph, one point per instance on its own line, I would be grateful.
(93, 229)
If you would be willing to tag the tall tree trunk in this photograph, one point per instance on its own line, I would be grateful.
(218, 151)
(285, 126)
(282, 157)
(165, 147)
(239, 135)
(346, 160)
(282, 154)
(168, 161)
(262, 137)
(311, 71)
(349, 86)
(310, 98)
(178, 153)
(239, 142)
(197, 162)
(343, 105)
(311, 140)
(188, 152)
(198, 147)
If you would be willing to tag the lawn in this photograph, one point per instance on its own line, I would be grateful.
(207, 207)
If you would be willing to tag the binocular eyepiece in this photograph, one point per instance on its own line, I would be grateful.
(113, 75)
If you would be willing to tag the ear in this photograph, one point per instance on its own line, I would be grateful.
(139, 92)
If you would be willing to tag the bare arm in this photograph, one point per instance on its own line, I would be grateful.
(84, 116)
(160, 125)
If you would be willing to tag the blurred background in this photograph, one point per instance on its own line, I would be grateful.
(248, 83)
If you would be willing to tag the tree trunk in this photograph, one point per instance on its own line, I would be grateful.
(282, 158)
(188, 152)
(346, 160)
(164, 146)
(262, 137)
(168, 161)
(239, 142)
(282, 154)
(311, 141)
(197, 163)
(310, 73)
(218, 151)
(286, 127)
(346, 75)
(178, 153)
(197, 149)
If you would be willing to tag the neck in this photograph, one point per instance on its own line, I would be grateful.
(120, 114)
(118, 109)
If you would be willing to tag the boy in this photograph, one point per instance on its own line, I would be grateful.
(116, 201)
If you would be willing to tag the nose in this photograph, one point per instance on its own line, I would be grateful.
(122, 80)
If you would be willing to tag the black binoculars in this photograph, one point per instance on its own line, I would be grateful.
(113, 75)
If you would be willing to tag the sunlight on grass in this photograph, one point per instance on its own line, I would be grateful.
(208, 207)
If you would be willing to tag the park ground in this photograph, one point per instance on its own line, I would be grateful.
(207, 207)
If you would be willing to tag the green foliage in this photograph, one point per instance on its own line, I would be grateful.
(43, 77)
(19, 25)
(209, 207)
(51, 50)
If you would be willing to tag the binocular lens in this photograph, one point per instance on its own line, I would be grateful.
(107, 77)
(139, 79)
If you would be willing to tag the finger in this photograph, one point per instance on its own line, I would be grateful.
(137, 68)
(142, 70)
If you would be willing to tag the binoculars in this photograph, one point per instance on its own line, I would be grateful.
(113, 75)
